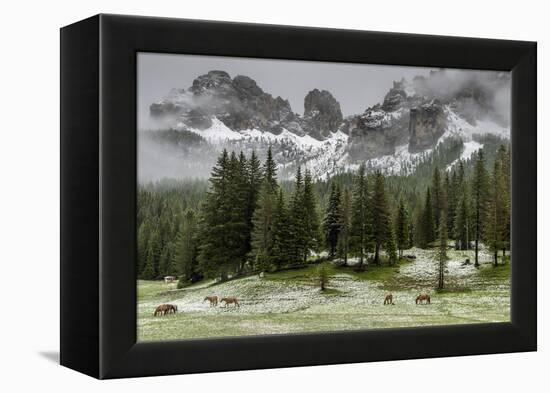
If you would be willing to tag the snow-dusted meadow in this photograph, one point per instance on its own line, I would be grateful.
(291, 302)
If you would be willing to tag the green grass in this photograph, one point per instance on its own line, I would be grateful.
(290, 301)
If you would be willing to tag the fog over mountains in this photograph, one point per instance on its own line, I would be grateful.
(192, 125)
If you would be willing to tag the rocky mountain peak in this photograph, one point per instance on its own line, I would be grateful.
(322, 113)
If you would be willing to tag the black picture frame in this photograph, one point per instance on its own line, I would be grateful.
(98, 195)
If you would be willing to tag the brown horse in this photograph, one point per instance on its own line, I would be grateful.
(423, 297)
(229, 300)
(164, 309)
(212, 299)
(388, 299)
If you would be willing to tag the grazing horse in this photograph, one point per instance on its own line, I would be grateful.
(423, 297)
(164, 309)
(212, 299)
(229, 300)
(388, 299)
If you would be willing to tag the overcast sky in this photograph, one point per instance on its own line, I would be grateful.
(355, 86)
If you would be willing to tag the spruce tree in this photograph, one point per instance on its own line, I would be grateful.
(185, 253)
(262, 234)
(427, 222)
(462, 223)
(359, 225)
(503, 156)
(442, 253)
(150, 270)
(297, 217)
(270, 171)
(495, 224)
(401, 228)
(345, 227)
(214, 256)
(254, 183)
(333, 219)
(390, 245)
(436, 190)
(312, 225)
(282, 239)
(479, 199)
(379, 215)
(142, 245)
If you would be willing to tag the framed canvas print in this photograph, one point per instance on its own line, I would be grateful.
(292, 195)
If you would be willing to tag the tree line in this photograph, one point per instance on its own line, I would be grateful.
(247, 220)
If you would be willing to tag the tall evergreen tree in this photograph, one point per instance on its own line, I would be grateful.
(345, 227)
(282, 239)
(185, 253)
(495, 225)
(442, 253)
(401, 228)
(390, 246)
(270, 171)
(333, 219)
(479, 199)
(150, 270)
(427, 222)
(462, 223)
(503, 156)
(214, 255)
(297, 230)
(312, 225)
(379, 214)
(436, 190)
(262, 235)
(359, 222)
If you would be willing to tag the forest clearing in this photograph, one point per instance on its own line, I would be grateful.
(290, 301)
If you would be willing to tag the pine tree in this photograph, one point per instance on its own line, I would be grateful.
(312, 225)
(379, 214)
(297, 218)
(142, 244)
(262, 235)
(391, 250)
(254, 181)
(270, 171)
(462, 223)
(214, 254)
(150, 270)
(333, 219)
(401, 228)
(359, 222)
(345, 227)
(451, 201)
(479, 199)
(503, 156)
(427, 222)
(442, 253)
(436, 191)
(185, 253)
(282, 240)
(495, 225)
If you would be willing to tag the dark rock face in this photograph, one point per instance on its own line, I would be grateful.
(375, 133)
(395, 98)
(427, 124)
(322, 114)
(239, 103)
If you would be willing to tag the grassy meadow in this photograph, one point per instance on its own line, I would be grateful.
(290, 301)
